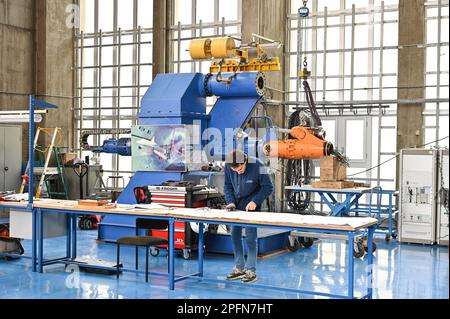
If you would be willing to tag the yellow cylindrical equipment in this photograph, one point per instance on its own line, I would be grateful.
(200, 49)
(222, 48)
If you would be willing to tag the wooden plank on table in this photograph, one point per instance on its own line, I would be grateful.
(17, 204)
(333, 184)
(107, 206)
(88, 202)
(366, 185)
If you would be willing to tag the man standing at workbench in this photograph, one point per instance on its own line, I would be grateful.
(247, 185)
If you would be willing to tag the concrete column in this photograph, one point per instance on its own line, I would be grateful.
(411, 73)
(161, 25)
(17, 57)
(268, 18)
(54, 64)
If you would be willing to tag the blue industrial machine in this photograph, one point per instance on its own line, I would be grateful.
(180, 100)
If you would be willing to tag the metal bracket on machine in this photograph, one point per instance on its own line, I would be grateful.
(85, 135)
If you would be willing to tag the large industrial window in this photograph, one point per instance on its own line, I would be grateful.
(200, 19)
(113, 70)
(436, 113)
(351, 49)
(196, 19)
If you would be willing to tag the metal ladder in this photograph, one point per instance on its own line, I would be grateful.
(47, 172)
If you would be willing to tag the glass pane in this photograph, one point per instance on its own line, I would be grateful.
(87, 12)
(107, 56)
(331, 5)
(126, 76)
(333, 38)
(105, 15)
(390, 33)
(360, 62)
(432, 34)
(388, 140)
(332, 64)
(354, 139)
(183, 11)
(205, 11)
(125, 104)
(330, 127)
(146, 53)
(430, 136)
(389, 61)
(362, 35)
(145, 13)
(228, 9)
(357, 3)
(443, 131)
(88, 77)
(146, 75)
(126, 54)
(388, 169)
(125, 14)
(107, 77)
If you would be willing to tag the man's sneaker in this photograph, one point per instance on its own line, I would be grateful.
(249, 277)
(236, 274)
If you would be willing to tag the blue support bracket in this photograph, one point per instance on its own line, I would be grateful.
(45, 105)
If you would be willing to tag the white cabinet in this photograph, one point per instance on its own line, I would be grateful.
(10, 157)
(418, 172)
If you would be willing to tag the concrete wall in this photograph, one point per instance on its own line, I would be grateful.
(36, 50)
(17, 56)
(160, 45)
(54, 64)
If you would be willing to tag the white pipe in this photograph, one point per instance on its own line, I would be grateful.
(4, 118)
(23, 112)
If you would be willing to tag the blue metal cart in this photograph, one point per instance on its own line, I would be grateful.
(350, 205)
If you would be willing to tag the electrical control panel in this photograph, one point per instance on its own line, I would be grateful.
(418, 174)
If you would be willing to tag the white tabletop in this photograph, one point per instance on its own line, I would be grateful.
(216, 215)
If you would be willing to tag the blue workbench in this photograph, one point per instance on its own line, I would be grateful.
(72, 212)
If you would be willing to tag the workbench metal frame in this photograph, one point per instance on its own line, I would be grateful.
(338, 209)
(391, 231)
(351, 203)
(199, 275)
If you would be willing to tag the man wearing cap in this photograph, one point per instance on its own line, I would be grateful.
(247, 185)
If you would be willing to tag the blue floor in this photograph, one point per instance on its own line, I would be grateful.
(400, 271)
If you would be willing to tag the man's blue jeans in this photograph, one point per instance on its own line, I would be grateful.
(238, 247)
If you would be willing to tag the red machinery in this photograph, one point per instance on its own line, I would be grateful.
(179, 195)
(88, 222)
(8, 244)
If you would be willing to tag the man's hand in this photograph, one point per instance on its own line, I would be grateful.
(250, 206)
(230, 207)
